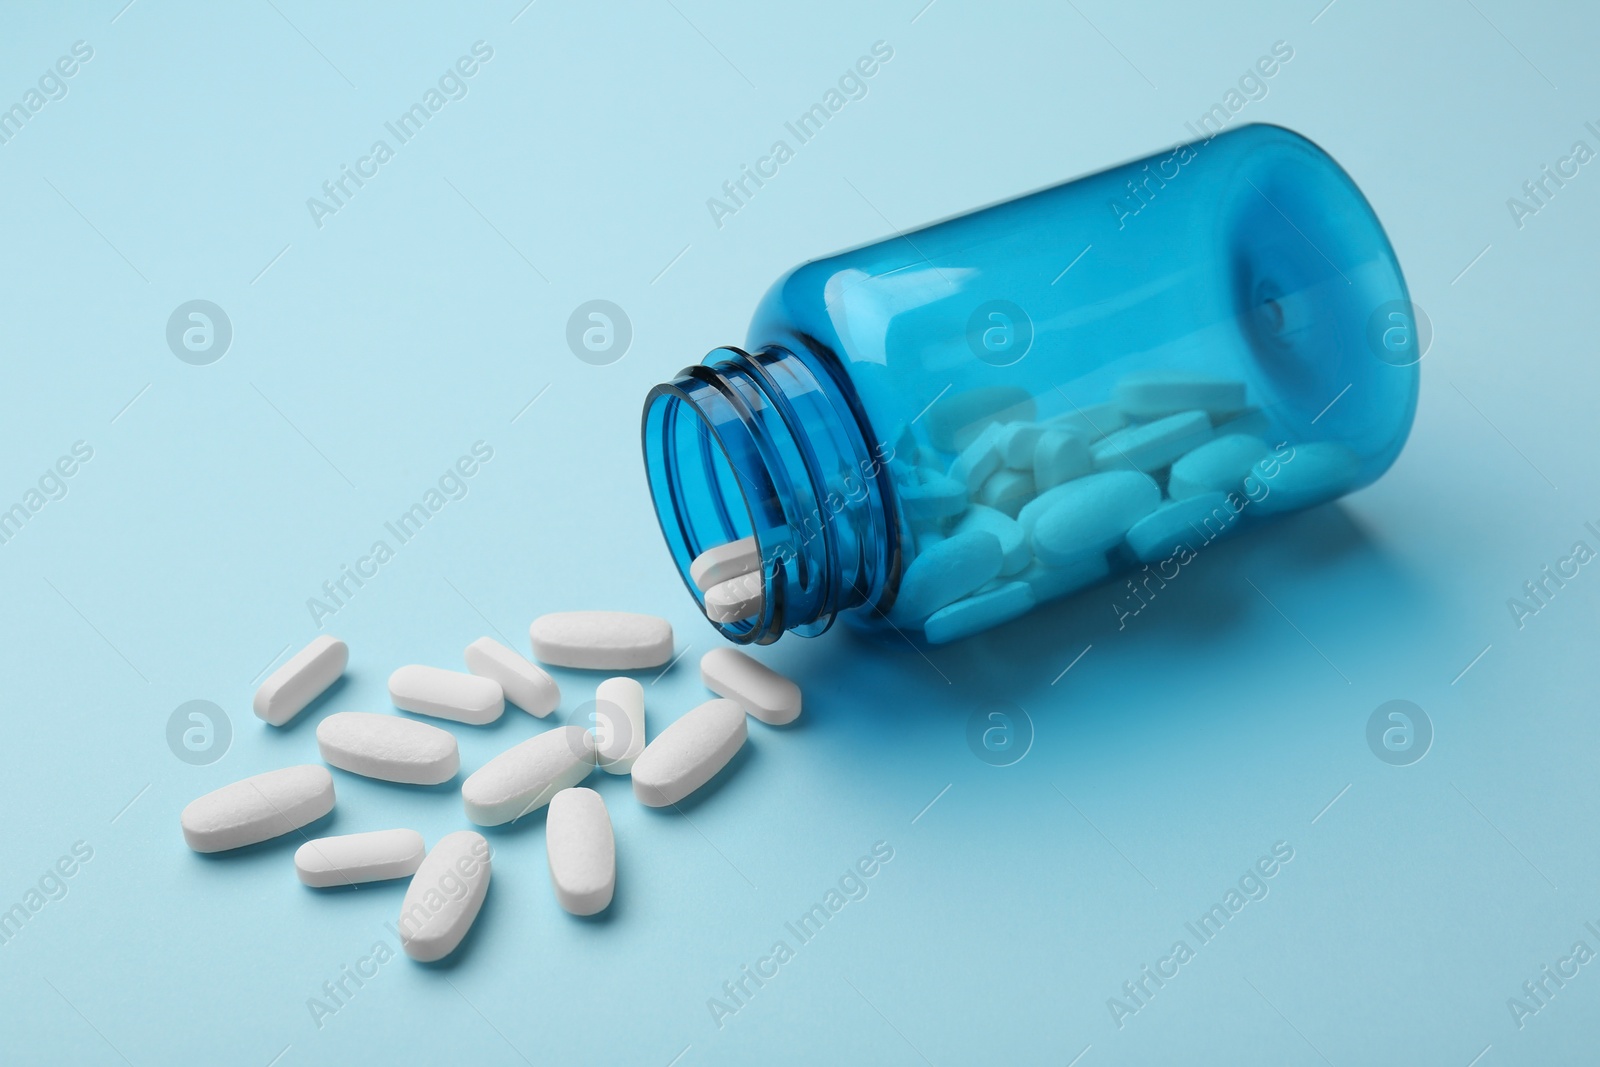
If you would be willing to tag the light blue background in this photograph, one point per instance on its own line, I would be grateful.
(428, 312)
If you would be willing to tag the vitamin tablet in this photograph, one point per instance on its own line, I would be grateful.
(1156, 394)
(388, 748)
(447, 694)
(1217, 466)
(1194, 521)
(601, 640)
(524, 777)
(582, 851)
(1014, 550)
(1316, 471)
(445, 896)
(1091, 515)
(1048, 583)
(1153, 445)
(258, 808)
(1090, 423)
(757, 688)
(931, 496)
(524, 684)
(735, 599)
(689, 753)
(351, 859)
(309, 672)
(722, 562)
(1017, 442)
(619, 724)
(1059, 457)
(954, 420)
(948, 571)
(980, 612)
(979, 459)
(1007, 490)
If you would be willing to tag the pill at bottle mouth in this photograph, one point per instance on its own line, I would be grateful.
(307, 674)
(754, 686)
(445, 896)
(525, 684)
(1156, 394)
(351, 859)
(443, 694)
(388, 748)
(1218, 466)
(979, 612)
(735, 599)
(619, 724)
(1058, 457)
(582, 851)
(1194, 521)
(1092, 514)
(689, 753)
(523, 778)
(258, 808)
(1015, 553)
(948, 571)
(601, 640)
(1313, 472)
(1151, 446)
(721, 562)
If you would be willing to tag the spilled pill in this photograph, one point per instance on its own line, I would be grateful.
(582, 851)
(258, 808)
(619, 724)
(447, 694)
(601, 640)
(978, 612)
(388, 747)
(757, 688)
(689, 753)
(722, 562)
(735, 599)
(524, 684)
(524, 777)
(948, 571)
(351, 859)
(291, 687)
(445, 896)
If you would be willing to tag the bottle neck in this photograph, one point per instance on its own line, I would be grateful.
(772, 445)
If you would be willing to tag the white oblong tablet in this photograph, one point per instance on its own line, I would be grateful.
(309, 672)
(1013, 542)
(1218, 466)
(1017, 441)
(735, 599)
(689, 753)
(1155, 394)
(1048, 583)
(1194, 522)
(601, 640)
(721, 562)
(388, 748)
(524, 777)
(1007, 490)
(447, 694)
(974, 613)
(258, 808)
(619, 724)
(928, 496)
(1091, 515)
(946, 572)
(983, 457)
(445, 896)
(582, 851)
(1314, 472)
(759, 689)
(1090, 423)
(954, 420)
(351, 859)
(1152, 445)
(525, 684)
(1059, 457)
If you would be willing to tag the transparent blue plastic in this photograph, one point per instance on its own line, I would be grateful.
(941, 430)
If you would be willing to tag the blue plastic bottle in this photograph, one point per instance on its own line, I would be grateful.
(1159, 354)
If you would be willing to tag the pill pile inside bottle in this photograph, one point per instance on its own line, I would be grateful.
(450, 882)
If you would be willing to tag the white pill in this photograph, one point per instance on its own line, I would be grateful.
(582, 851)
(1156, 394)
(1017, 442)
(445, 896)
(1217, 466)
(980, 612)
(1317, 471)
(1048, 583)
(388, 748)
(689, 753)
(309, 672)
(619, 724)
(735, 599)
(524, 777)
(1090, 423)
(722, 562)
(1059, 457)
(757, 688)
(1153, 445)
(930, 496)
(258, 808)
(447, 694)
(601, 640)
(1091, 515)
(948, 571)
(524, 683)
(1194, 521)
(1014, 550)
(1007, 490)
(954, 420)
(351, 859)
(979, 459)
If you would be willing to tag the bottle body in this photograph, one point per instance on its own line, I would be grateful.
(1011, 405)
